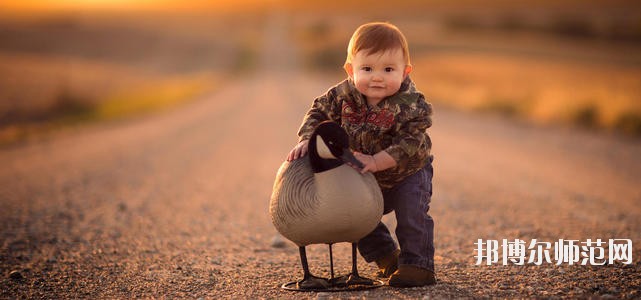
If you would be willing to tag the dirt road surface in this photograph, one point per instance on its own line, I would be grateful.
(176, 204)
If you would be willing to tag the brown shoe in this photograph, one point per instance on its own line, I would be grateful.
(410, 276)
(388, 264)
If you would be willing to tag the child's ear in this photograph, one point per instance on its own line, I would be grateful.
(408, 70)
(349, 69)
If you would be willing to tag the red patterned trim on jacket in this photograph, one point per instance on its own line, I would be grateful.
(383, 118)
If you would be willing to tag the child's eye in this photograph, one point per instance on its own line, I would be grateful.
(366, 69)
(389, 69)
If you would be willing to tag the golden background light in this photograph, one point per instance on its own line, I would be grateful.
(43, 6)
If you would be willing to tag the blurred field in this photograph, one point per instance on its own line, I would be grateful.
(568, 62)
(61, 69)
(592, 96)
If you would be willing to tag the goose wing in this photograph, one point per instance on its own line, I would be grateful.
(293, 195)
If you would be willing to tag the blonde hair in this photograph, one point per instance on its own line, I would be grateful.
(377, 37)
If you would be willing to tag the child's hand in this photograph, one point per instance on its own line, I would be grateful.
(299, 151)
(368, 161)
(374, 163)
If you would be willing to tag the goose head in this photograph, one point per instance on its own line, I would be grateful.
(329, 148)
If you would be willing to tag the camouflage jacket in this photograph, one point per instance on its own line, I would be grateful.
(396, 125)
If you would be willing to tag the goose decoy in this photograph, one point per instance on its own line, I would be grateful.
(320, 199)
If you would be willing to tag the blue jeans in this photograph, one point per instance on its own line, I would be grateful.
(410, 200)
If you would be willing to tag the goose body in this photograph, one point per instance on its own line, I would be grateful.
(337, 205)
(319, 199)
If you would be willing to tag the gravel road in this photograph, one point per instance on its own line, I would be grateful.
(176, 204)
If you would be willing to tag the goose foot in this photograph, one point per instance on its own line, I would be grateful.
(313, 283)
(343, 283)
(351, 280)
(309, 281)
(355, 279)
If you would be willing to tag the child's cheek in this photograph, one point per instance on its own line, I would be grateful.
(362, 89)
(361, 85)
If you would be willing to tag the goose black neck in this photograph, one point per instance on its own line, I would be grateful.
(318, 163)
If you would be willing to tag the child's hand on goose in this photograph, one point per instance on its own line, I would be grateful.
(368, 161)
(299, 151)
(374, 163)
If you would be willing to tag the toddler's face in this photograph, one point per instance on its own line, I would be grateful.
(378, 75)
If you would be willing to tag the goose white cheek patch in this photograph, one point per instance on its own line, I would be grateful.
(322, 149)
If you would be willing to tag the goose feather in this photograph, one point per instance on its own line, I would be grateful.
(337, 205)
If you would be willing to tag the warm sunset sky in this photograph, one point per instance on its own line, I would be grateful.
(30, 6)
(43, 5)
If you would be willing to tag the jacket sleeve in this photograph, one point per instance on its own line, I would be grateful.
(412, 138)
(325, 107)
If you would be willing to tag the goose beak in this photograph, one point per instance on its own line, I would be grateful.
(349, 158)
